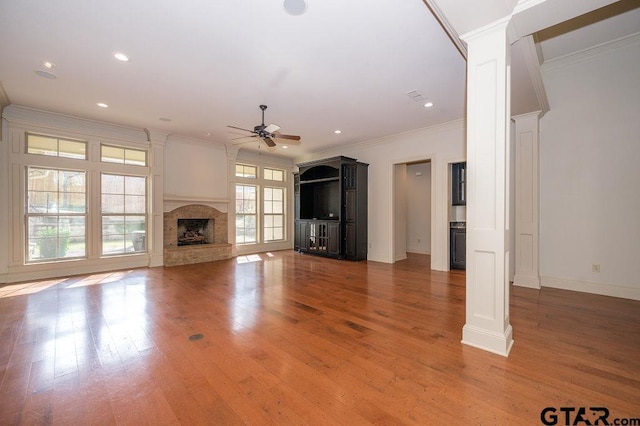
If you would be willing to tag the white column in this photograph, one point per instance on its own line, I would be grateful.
(488, 108)
(232, 154)
(155, 233)
(527, 201)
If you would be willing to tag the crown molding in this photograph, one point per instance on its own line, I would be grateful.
(591, 52)
(56, 122)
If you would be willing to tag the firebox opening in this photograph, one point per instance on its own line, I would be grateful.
(195, 231)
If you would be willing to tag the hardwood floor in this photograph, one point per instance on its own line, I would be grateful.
(296, 339)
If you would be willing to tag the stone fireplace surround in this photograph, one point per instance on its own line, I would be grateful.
(187, 254)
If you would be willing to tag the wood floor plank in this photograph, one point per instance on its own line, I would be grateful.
(297, 339)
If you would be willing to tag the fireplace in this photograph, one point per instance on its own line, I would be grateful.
(195, 231)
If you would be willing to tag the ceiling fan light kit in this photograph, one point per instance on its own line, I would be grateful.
(266, 133)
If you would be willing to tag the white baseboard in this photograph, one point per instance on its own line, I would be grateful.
(602, 289)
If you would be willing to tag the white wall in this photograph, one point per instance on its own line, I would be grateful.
(419, 208)
(441, 144)
(195, 169)
(589, 152)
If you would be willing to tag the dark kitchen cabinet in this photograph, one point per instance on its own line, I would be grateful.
(330, 198)
(458, 184)
(458, 246)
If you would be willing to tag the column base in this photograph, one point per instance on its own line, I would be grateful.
(487, 340)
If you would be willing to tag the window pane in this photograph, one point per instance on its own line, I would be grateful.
(112, 154)
(268, 207)
(278, 234)
(72, 149)
(268, 174)
(73, 203)
(268, 194)
(42, 145)
(43, 179)
(134, 204)
(42, 202)
(278, 194)
(112, 184)
(277, 220)
(277, 207)
(135, 157)
(135, 185)
(112, 203)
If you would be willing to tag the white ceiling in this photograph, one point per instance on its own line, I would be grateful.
(206, 64)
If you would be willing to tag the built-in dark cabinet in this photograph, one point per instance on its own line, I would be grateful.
(458, 243)
(458, 184)
(330, 198)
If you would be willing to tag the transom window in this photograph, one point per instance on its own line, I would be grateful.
(245, 171)
(274, 174)
(115, 154)
(56, 147)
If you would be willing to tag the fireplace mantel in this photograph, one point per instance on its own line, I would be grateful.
(174, 201)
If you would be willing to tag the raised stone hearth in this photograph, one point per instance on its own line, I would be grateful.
(215, 248)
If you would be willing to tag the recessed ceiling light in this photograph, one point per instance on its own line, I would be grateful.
(337, 132)
(284, 147)
(428, 105)
(48, 65)
(102, 105)
(165, 119)
(121, 57)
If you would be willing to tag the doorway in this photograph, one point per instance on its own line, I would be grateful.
(412, 208)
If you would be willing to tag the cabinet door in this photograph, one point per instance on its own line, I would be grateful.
(458, 248)
(333, 245)
(350, 205)
(458, 184)
(350, 240)
(301, 239)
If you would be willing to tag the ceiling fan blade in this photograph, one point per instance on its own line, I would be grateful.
(240, 128)
(244, 137)
(290, 137)
(271, 128)
(270, 143)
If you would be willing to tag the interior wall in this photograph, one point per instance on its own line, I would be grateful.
(419, 208)
(442, 144)
(195, 169)
(589, 174)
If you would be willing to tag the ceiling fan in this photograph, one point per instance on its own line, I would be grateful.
(266, 133)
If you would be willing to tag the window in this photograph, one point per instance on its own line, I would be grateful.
(245, 171)
(56, 214)
(124, 210)
(273, 214)
(114, 154)
(274, 174)
(260, 204)
(246, 214)
(56, 147)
